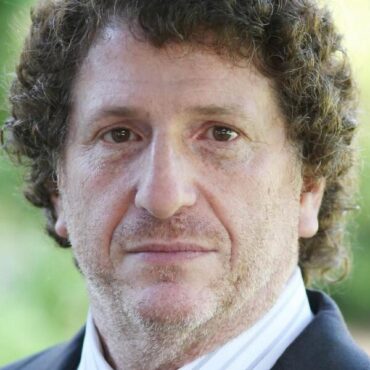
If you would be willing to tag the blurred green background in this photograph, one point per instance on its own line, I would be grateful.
(42, 296)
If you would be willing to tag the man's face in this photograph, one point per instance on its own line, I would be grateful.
(178, 189)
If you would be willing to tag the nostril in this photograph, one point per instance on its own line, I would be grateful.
(163, 200)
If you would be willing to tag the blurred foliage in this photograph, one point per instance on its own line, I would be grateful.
(42, 296)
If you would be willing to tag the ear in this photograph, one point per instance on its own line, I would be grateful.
(60, 224)
(311, 197)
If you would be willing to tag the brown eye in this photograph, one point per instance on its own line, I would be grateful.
(120, 135)
(220, 133)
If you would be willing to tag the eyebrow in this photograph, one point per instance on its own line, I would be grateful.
(217, 110)
(119, 111)
(201, 110)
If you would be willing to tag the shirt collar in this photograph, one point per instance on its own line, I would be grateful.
(257, 348)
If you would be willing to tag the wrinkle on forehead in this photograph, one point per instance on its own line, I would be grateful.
(142, 74)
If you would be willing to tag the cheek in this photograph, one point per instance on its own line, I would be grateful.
(260, 206)
(95, 199)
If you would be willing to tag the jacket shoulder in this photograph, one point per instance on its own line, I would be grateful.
(325, 343)
(64, 356)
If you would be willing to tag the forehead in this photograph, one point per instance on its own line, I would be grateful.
(119, 55)
(121, 70)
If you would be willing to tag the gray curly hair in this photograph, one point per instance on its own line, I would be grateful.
(293, 42)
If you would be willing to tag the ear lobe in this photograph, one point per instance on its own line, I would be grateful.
(310, 203)
(60, 224)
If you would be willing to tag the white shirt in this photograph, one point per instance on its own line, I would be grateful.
(257, 348)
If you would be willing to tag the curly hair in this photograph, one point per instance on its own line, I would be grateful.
(292, 42)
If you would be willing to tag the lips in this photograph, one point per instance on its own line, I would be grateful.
(173, 252)
(169, 248)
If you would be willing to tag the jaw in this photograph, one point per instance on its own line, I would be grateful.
(137, 326)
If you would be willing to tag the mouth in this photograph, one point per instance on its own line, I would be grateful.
(164, 253)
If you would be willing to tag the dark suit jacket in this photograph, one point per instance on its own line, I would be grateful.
(325, 344)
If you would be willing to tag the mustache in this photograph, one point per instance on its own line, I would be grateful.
(145, 227)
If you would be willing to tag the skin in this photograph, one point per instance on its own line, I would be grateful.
(184, 240)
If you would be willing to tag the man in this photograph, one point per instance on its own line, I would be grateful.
(193, 154)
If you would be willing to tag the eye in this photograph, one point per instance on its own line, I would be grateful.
(120, 135)
(221, 133)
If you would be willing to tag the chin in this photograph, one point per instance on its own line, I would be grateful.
(174, 304)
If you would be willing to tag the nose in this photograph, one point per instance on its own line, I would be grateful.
(165, 184)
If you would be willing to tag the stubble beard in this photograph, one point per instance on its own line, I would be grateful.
(153, 342)
(159, 340)
(145, 341)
